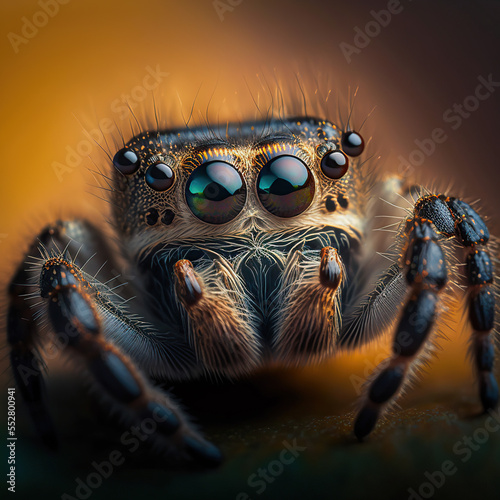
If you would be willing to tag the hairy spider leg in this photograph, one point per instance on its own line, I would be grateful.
(76, 310)
(435, 217)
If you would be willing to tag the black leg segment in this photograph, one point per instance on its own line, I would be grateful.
(424, 264)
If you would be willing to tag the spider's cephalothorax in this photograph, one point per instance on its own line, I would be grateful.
(247, 247)
(229, 236)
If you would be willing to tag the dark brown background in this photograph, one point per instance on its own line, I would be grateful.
(429, 57)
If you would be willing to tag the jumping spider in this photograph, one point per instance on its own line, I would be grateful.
(246, 247)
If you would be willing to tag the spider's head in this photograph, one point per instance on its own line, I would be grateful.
(228, 225)
(263, 176)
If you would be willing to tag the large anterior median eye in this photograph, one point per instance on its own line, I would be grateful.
(216, 192)
(285, 186)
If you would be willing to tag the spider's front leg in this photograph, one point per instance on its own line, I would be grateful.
(79, 311)
(424, 265)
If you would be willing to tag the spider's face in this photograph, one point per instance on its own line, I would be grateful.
(242, 207)
(260, 177)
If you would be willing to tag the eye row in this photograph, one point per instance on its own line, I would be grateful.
(159, 176)
(216, 192)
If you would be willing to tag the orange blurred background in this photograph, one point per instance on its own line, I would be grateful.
(74, 71)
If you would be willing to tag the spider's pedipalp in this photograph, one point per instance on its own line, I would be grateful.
(223, 339)
(187, 285)
(309, 325)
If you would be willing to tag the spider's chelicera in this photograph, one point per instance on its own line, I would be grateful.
(244, 249)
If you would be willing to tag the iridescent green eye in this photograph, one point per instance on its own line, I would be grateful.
(216, 192)
(285, 186)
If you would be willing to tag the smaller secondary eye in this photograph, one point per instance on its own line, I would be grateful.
(335, 164)
(126, 161)
(160, 176)
(352, 143)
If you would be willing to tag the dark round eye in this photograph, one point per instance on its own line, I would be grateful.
(160, 176)
(285, 186)
(216, 192)
(126, 161)
(352, 143)
(335, 164)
